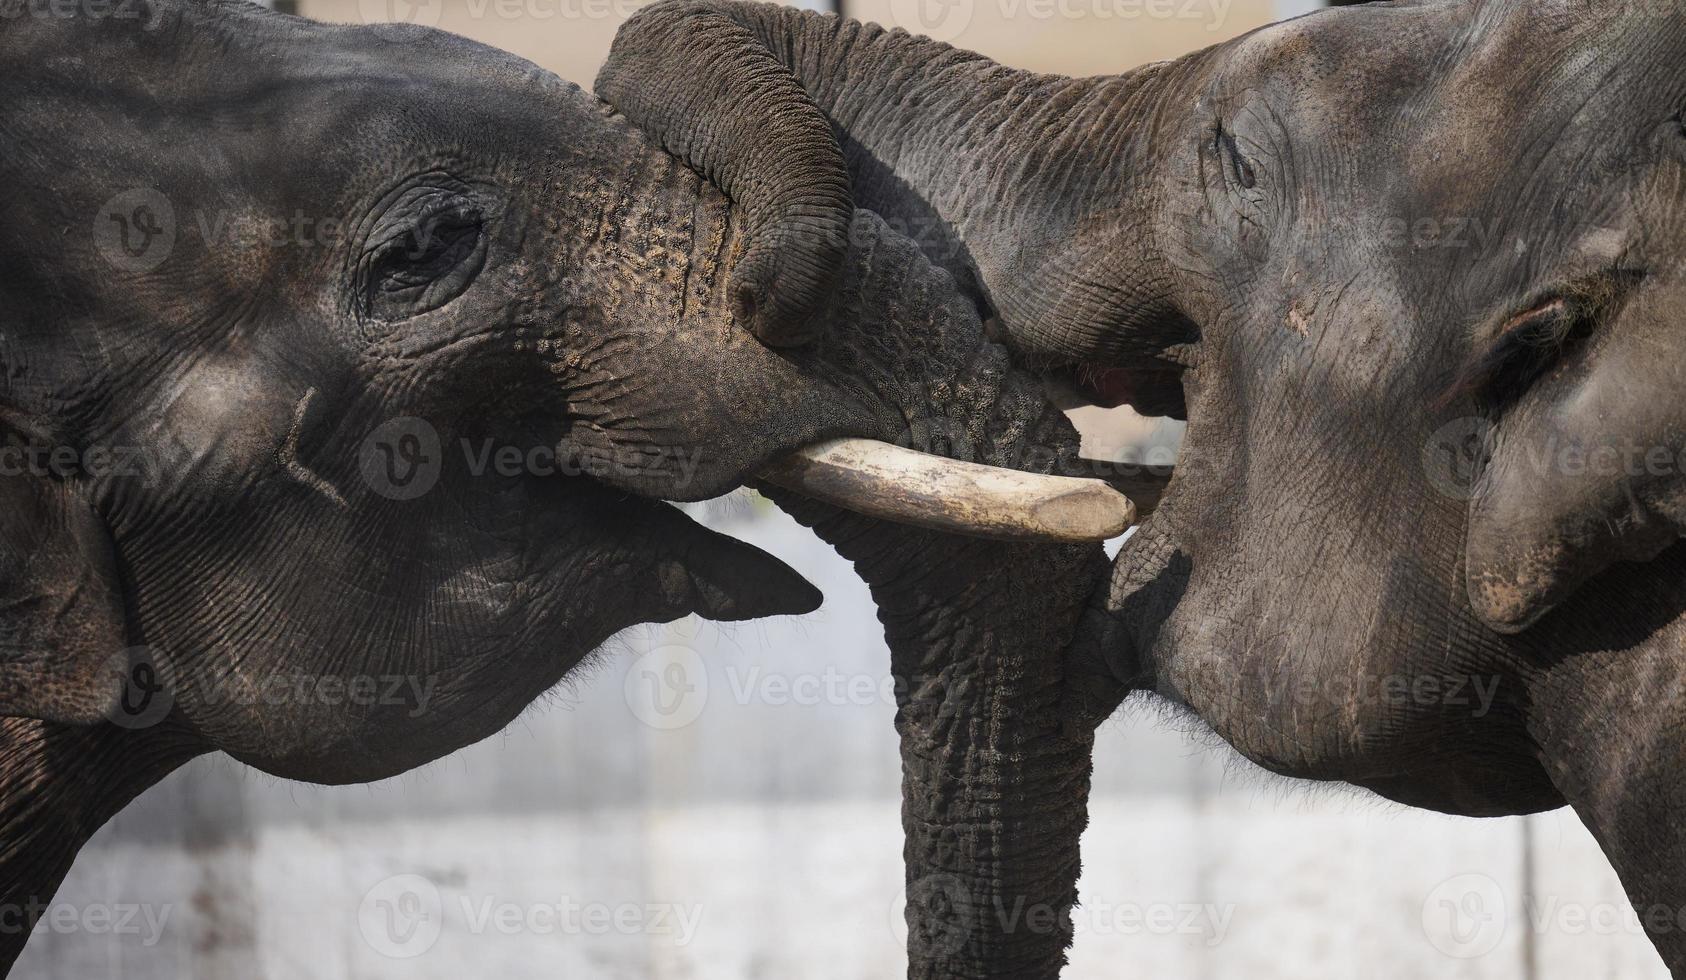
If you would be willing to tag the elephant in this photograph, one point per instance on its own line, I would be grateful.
(346, 371)
(1408, 270)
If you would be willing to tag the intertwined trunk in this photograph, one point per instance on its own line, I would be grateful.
(995, 770)
(995, 785)
(1038, 189)
(995, 778)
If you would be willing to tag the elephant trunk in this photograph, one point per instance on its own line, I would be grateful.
(995, 784)
(781, 166)
(995, 780)
(1034, 190)
(995, 774)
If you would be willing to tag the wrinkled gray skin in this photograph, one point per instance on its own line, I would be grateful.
(1413, 273)
(517, 267)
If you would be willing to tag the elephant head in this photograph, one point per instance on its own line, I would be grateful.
(1412, 273)
(345, 372)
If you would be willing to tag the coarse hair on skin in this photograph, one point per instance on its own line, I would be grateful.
(1241, 773)
(1538, 336)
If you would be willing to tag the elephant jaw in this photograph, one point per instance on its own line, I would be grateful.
(722, 578)
(714, 575)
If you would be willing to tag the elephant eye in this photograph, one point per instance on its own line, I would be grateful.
(422, 263)
(1530, 342)
(431, 247)
(1237, 169)
(1539, 338)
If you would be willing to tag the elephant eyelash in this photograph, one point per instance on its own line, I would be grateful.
(420, 254)
(1235, 166)
(1531, 342)
(421, 263)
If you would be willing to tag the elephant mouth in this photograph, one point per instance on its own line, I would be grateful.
(700, 570)
(719, 577)
(1101, 385)
(725, 579)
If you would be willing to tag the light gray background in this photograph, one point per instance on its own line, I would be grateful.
(771, 826)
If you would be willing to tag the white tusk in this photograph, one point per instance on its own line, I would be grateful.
(911, 487)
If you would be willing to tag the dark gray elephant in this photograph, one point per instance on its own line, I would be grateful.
(343, 370)
(1413, 273)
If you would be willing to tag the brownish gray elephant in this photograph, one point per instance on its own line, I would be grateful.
(344, 371)
(1413, 274)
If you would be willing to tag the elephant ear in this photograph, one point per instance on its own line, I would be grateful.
(714, 95)
(63, 636)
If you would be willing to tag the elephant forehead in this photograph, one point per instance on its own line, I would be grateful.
(1466, 89)
(1544, 107)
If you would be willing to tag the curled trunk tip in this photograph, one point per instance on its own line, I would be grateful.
(713, 94)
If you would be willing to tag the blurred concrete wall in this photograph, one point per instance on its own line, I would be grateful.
(1073, 37)
(720, 803)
